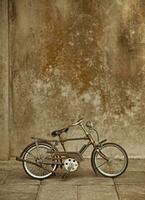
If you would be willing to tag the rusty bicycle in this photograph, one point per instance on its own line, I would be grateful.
(42, 158)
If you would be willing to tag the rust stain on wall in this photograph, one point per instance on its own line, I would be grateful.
(70, 45)
(75, 57)
(131, 43)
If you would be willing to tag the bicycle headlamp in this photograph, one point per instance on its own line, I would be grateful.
(89, 124)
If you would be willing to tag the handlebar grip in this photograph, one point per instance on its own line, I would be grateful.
(78, 122)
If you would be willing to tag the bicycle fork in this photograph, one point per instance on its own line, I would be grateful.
(100, 152)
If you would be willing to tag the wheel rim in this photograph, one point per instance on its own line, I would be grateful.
(116, 163)
(39, 157)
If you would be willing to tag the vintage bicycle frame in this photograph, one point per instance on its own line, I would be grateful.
(55, 158)
(88, 137)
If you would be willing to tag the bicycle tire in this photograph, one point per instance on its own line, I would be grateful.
(28, 149)
(97, 168)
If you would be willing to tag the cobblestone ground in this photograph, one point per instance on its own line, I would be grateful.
(81, 185)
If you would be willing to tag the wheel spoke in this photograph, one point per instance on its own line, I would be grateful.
(32, 155)
(116, 157)
(42, 171)
(103, 164)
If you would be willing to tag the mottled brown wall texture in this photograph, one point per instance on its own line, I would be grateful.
(61, 59)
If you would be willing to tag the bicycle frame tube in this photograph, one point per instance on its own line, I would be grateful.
(83, 148)
(62, 141)
(87, 137)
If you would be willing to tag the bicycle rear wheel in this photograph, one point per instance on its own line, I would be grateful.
(38, 155)
(110, 160)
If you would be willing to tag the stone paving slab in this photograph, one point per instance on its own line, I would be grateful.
(19, 176)
(131, 178)
(89, 192)
(83, 184)
(17, 196)
(18, 191)
(97, 192)
(57, 193)
(79, 180)
(19, 188)
(3, 176)
(136, 165)
(9, 165)
(131, 192)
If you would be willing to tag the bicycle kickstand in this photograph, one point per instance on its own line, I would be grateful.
(65, 175)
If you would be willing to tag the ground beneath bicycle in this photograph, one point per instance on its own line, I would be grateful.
(83, 184)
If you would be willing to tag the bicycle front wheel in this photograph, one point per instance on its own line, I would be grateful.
(110, 160)
(37, 161)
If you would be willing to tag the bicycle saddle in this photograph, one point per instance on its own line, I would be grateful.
(59, 132)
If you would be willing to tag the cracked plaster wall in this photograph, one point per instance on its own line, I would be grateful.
(4, 108)
(71, 58)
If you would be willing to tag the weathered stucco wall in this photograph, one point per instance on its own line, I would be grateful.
(4, 71)
(71, 58)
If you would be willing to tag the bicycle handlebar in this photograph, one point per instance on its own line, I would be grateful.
(78, 122)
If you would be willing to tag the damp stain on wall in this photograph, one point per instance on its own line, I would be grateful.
(72, 58)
